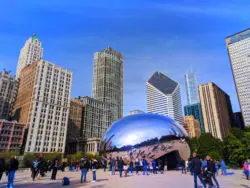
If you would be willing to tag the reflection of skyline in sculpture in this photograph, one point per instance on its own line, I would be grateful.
(144, 135)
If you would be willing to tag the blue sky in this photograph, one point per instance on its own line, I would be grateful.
(168, 36)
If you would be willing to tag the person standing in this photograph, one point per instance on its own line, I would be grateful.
(223, 167)
(34, 169)
(137, 166)
(154, 167)
(145, 166)
(84, 166)
(183, 167)
(131, 167)
(104, 165)
(195, 169)
(93, 168)
(113, 165)
(212, 168)
(120, 165)
(55, 165)
(42, 165)
(246, 170)
(12, 167)
(2, 167)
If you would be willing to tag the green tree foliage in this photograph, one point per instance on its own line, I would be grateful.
(6, 154)
(237, 146)
(77, 156)
(206, 144)
(234, 149)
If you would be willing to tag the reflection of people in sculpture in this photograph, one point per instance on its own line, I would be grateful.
(223, 167)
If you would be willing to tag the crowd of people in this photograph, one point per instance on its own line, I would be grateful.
(206, 170)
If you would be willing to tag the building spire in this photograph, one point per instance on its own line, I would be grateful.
(34, 36)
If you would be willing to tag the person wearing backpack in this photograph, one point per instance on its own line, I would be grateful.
(34, 169)
(84, 166)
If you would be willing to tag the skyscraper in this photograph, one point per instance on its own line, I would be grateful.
(8, 87)
(31, 52)
(195, 110)
(238, 46)
(42, 104)
(164, 97)
(108, 79)
(216, 110)
(191, 88)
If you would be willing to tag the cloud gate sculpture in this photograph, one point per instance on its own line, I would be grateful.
(147, 135)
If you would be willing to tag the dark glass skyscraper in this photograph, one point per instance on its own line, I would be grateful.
(195, 110)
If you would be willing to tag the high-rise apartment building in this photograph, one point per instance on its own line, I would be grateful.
(192, 126)
(238, 46)
(8, 87)
(31, 52)
(216, 109)
(164, 97)
(191, 89)
(42, 104)
(195, 110)
(108, 79)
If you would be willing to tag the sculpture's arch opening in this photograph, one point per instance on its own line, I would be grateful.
(172, 159)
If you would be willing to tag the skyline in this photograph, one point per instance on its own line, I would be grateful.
(70, 40)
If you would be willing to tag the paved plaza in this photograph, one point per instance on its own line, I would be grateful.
(104, 180)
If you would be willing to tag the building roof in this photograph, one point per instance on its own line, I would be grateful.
(238, 33)
(163, 83)
(34, 36)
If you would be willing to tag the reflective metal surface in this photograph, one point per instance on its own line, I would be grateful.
(144, 135)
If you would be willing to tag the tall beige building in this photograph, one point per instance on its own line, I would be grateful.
(192, 126)
(42, 104)
(216, 109)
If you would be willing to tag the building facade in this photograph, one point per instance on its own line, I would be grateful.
(8, 87)
(164, 97)
(238, 46)
(191, 89)
(215, 109)
(97, 117)
(88, 119)
(42, 104)
(195, 110)
(192, 126)
(108, 79)
(75, 127)
(32, 51)
(11, 135)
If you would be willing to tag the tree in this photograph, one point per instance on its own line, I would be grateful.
(77, 156)
(233, 150)
(205, 145)
(6, 154)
